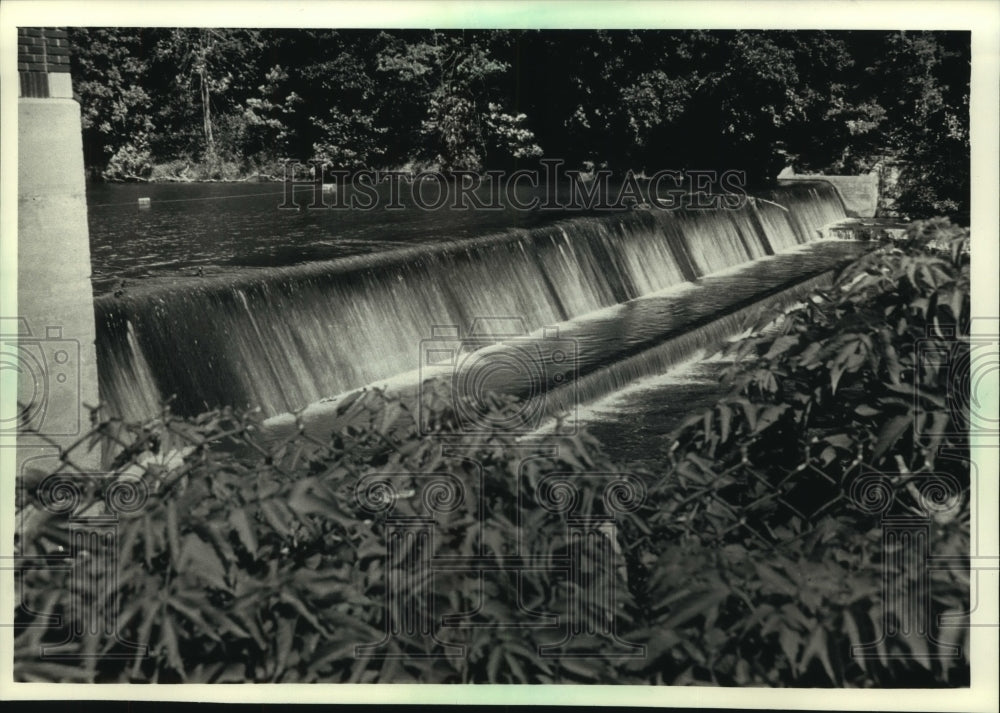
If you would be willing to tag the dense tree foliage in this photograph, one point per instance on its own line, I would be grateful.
(225, 103)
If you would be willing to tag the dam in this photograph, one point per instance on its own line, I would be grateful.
(620, 286)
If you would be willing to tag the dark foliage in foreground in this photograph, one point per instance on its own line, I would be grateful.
(755, 557)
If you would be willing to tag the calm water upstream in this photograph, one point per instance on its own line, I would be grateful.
(218, 227)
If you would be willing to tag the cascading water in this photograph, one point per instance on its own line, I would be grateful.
(285, 337)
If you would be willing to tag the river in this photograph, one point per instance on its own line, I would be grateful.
(214, 296)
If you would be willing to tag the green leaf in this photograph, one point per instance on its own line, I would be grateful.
(276, 516)
(781, 345)
(515, 666)
(817, 648)
(828, 455)
(875, 616)
(247, 620)
(198, 558)
(839, 440)
(854, 636)
(152, 611)
(391, 413)
(918, 650)
(725, 416)
(197, 619)
(528, 655)
(291, 598)
(147, 539)
(776, 581)
(493, 665)
(586, 668)
(699, 602)
(808, 358)
(173, 536)
(750, 411)
(790, 641)
(225, 623)
(770, 416)
(890, 433)
(283, 645)
(241, 523)
(168, 642)
(312, 497)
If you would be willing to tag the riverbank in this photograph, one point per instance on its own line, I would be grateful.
(190, 171)
(142, 169)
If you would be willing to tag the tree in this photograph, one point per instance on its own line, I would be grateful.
(462, 114)
(216, 65)
(927, 109)
(342, 106)
(262, 131)
(109, 75)
(838, 102)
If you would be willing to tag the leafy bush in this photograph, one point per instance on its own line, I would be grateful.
(246, 564)
(212, 168)
(754, 558)
(178, 169)
(770, 489)
(129, 162)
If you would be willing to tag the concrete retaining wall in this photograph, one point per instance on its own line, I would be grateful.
(52, 334)
(859, 193)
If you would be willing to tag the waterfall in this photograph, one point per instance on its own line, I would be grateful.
(282, 338)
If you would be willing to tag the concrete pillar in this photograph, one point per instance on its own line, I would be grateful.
(51, 339)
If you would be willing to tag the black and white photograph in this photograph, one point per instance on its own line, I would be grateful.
(656, 352)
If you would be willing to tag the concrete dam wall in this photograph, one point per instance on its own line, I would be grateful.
(859, 193)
